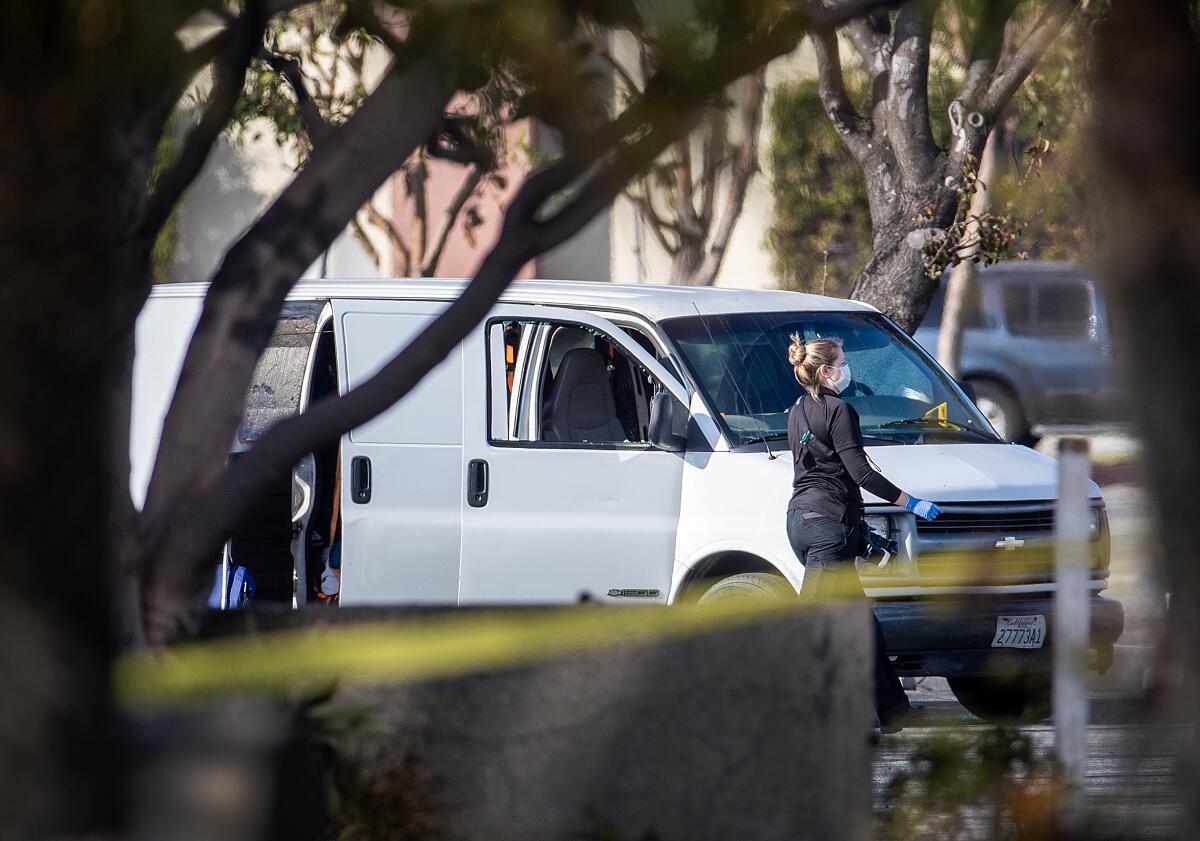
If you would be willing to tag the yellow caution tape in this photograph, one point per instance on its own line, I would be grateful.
(442, 645)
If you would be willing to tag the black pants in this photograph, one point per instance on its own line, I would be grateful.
(827, 548)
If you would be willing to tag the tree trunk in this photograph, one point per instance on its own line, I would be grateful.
(56, 231)
(686, 261)
(1150, 195)
(894, 278)
(962, 276)
(123, 516)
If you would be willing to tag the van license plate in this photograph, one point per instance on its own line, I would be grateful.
(1020, 632)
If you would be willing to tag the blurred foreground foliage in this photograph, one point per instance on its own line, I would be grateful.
(986, 784)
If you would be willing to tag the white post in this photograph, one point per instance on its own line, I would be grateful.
(1071, 624)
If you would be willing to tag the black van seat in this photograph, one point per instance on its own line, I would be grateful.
(581, 406)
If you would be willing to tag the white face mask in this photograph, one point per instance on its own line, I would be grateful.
(843, 379)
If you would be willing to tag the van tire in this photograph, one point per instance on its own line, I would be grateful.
(750, 587)
(1003, 410)
(1021, 698)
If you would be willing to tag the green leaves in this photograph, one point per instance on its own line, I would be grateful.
(983, 238)
(820, 233)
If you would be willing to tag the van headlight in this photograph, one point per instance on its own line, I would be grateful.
(1098, 523)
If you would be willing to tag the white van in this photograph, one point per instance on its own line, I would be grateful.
(627, 443)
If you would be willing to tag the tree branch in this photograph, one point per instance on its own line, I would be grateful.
(1020, 64)
(745, 164)
(385, 224)
(683, 194)
(987, 44)
(364, 241)
(873, 46)
(229, 71)
(850, 126)
(416, 178)
(712, 160)
(907, 110)
(289, 68)
(449, 218)
(452, 142)
(606, 55)
(658, 226)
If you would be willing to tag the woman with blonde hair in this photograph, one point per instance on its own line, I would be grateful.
(824, 518)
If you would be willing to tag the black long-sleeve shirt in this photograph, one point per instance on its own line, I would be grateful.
(828, 482)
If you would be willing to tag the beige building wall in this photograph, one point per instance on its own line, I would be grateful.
(637, 258)
(238, 182)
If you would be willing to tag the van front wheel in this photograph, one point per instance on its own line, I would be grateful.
(749, 587)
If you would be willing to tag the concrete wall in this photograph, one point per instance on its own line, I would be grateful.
(758, 732)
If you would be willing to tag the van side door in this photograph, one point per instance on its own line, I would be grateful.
(565, 496)
(400, 473)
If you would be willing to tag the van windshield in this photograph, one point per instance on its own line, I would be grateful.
(739, 361)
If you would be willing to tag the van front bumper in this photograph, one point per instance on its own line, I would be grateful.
(953, 636)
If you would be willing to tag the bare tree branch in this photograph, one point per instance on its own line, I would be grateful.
(713, 157)
(229, 71)
(465, 190)
(385, 224)
(364, 241)
(416, 177)
(745, 164)
(683, 194)
(850, 126)
(1020, 64)
(659, 227)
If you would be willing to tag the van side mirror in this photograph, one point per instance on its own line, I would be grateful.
(668, 423)
(969, 390)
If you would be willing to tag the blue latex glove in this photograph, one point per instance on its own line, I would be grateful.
(923, 508)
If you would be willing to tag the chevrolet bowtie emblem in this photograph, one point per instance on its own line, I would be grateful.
(1010, 543)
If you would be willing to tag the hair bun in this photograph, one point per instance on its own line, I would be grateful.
(797, 350)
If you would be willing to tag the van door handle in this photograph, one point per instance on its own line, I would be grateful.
(360, 479)
(477, 483)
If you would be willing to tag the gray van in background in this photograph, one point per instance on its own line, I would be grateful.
(1036, 347)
